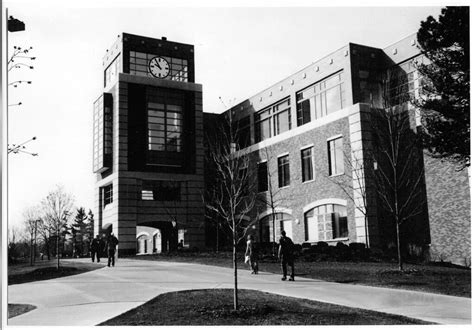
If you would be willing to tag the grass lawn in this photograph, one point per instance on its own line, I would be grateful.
(215, 307)
(18, 309)
(428, 278)
(46, 269)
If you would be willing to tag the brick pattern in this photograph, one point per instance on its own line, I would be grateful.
(449, 205)
(300, 194)
(127, 209)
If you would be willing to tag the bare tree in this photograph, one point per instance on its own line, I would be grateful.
(399, 173)
(397, 154)
(232, 195)
(31, 217)
(16, 243)
(57, 207)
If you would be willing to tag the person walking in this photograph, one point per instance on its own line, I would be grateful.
(94, 247)
(112, 242)
(103, 246)
(251, 254)
(285, 255)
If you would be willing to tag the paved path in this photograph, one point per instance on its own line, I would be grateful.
(90, 298)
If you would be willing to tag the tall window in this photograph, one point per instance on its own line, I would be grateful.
(307, 164)
(335, 156)
(165, 127)
(320, 99)
(103, 133)
(284, 171)
(273, 120)
(108, 194)
(262, 176)
(326, 222)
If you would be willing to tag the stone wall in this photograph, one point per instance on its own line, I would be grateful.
(449, 206)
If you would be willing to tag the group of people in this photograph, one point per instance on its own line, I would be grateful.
(285, 255)
(105, 246)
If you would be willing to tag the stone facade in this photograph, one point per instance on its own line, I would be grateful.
(132, 166)
(449, 205)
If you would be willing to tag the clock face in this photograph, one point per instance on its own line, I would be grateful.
(159, 67)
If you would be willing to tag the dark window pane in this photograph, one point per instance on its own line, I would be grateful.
(283, 171)
(335, 157)
(303, 112)
(262, 173)
(307, 164)
(161, 190)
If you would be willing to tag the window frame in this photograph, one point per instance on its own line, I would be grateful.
(304, 159)
(284, 177)
(320, 213)
(316, 96)
(272, 114)
(334, 154)
(107, 194)
(164, 133)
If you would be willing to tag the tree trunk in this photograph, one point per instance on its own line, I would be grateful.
(57, 247)
(31, 251)
(234, 252)
(273, 230)
(367, 242)
(400, 264)
(217, 237)
(48, 248)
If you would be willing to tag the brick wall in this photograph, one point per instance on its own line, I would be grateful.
(298, 195)
(449, 205)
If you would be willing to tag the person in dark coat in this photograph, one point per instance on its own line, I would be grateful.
(285, 254)
(112, 242)
(95, 248)
(102, 246)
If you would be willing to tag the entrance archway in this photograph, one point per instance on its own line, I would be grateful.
(162, 236)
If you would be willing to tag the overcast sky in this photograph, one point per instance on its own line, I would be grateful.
(238, 52)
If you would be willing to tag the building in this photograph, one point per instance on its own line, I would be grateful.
(310, 137)
(148, 146)
(306, 136)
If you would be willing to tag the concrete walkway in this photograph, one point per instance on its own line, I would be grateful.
(90, 298)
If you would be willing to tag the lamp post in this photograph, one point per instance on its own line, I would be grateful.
(13, 25)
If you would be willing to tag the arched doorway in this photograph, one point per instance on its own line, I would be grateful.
(142, 243)
(162, 236)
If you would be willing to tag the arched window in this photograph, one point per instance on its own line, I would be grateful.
(283, 221)
(142, 243)
(326, 222)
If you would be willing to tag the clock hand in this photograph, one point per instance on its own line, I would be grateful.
(158, 64)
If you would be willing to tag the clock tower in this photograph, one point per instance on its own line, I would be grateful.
(148, 146)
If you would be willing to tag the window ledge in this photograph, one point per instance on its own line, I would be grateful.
(330, 240)
(308, 181)
(336, 175)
